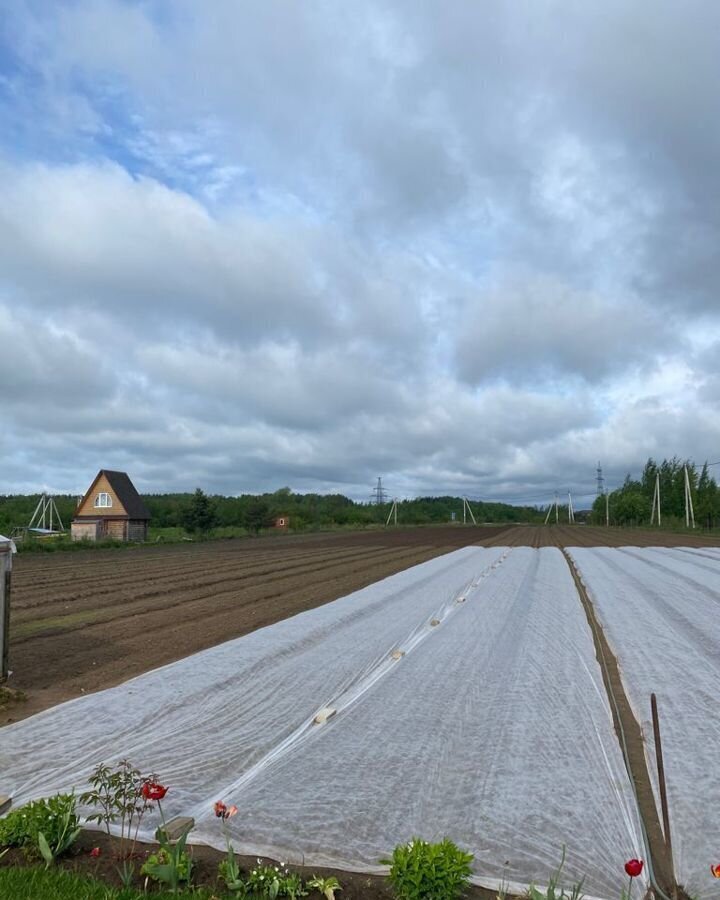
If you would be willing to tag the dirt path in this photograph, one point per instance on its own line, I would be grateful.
(630, 738)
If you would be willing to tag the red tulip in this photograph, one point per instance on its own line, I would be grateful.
(715, 870)
(153, 791)
(224, 812)
(95, 852)
(634, 867)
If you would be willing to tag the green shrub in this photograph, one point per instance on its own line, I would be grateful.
(423, 871)
(264, 881)
(54, 817)
(170, 865)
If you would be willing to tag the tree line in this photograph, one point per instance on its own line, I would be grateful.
(199, 512)
(631, 504)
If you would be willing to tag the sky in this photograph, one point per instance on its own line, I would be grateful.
(470, 248)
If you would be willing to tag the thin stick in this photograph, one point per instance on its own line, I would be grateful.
(661, 780)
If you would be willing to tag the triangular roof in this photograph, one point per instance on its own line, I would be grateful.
(125, 492)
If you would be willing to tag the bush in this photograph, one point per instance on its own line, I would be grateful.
(423, 871)
(52, 817)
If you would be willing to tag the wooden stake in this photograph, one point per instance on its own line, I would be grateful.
(5, 582)
(661, 780)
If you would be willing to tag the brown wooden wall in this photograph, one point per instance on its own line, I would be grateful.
(137, 530)
(84, 531)
(88, 508)
(116, 529)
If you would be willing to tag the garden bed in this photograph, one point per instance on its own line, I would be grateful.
(104, 868)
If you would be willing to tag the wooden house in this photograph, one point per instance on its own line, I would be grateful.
(111, 508)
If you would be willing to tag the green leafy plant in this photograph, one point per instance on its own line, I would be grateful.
(228, 869)
(326, 886)
(62, 835)
(554, 890)
(170, 865)
(420, 870)
(54, 818)
(118, 795)
(229, 873)
(291, 885)
(264, 881)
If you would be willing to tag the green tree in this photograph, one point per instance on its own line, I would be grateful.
(257, 514)
(707, 504)
(199, 516)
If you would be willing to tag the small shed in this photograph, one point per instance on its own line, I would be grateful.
(111, 508)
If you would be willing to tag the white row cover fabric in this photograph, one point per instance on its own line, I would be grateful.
(660, 609)
(6, 542)
(493, 728)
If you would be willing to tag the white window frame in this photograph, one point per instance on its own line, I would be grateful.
(103, 500)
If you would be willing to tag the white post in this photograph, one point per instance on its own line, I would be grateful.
(472, 515)
(689, 512)
(571, 513)
(654, 504)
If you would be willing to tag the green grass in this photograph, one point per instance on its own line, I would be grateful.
(55, 884)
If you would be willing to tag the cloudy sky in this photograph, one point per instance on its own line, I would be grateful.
(472, 248)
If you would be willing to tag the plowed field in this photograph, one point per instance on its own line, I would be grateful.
(90, 619)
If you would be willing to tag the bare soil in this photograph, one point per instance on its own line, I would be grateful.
(88, 620)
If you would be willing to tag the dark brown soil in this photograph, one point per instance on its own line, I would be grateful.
(594, 536)
(87, 620)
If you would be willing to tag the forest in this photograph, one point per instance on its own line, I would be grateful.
(631, 504)
(198, 512)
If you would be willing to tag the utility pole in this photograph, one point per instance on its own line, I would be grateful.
(656, 502)
(467, 509)
(689, 511)
(557, 514)
(607, 510)
(571, 512)
(393, 512)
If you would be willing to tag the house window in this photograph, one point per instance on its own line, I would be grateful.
(103, 500)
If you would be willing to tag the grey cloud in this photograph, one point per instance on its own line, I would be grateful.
(462, 251)
(539, 328)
